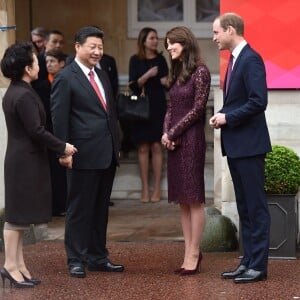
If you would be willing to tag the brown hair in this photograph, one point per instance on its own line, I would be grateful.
(190, 59)
(141, 41)
(234, 20)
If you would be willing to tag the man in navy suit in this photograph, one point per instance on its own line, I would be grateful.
(83, 111)
(245, 141)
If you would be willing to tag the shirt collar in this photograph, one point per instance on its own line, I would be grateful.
(84, 68)
(237, 50)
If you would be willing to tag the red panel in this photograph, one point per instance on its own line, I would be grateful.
(272, 28)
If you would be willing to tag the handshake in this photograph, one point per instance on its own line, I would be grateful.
(67, 159)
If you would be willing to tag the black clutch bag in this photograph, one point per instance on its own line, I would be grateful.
(133, 107)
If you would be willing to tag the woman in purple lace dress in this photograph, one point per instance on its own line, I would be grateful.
(184, 138)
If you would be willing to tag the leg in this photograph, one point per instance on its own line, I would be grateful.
(185, 213)
(20, 258)
(157, 164)
(12, 240)
(253, 211)
(242, 211)
(97, 251)
(143, 156)
(197, 228)
(80, 210)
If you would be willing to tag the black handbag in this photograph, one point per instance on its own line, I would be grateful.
(133, 107)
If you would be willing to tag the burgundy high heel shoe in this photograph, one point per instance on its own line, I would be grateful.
(18, 284)
(177, 271)
(186, 272)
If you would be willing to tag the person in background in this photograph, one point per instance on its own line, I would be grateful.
(26, 160)
(83, 111)
(39, 39)
(184, 138)
(245, 141)
(148, 69)
(54, 40)
(55, 61)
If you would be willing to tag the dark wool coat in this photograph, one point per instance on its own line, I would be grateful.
(26, 169)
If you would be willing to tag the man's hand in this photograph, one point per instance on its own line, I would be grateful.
(66, 161)
(217, 120)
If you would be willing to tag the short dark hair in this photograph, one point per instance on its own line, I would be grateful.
(15, 59)
(89, 31)
(53, 32)
(58, 54)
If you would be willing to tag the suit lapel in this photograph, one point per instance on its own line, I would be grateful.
(235, 67)
(85, 84)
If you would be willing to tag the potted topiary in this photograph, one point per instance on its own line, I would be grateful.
(282, 181)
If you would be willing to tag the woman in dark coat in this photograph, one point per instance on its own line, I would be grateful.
(26, 169)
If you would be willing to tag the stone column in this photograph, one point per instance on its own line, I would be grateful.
(7, 37)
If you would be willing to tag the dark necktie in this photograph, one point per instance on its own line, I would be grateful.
(229, 70)
(96, 88)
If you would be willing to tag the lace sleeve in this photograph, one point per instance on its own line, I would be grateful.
(201, 84)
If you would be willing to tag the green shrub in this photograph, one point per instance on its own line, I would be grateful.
(282, 171)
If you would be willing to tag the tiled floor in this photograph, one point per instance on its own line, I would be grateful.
(146, 239)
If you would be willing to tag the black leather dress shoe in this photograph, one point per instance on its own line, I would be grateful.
(77, 271)
(251, 276)
(232, 274)
(110, 203)
(106, 267)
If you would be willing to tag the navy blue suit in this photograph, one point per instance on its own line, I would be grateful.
(245, 141)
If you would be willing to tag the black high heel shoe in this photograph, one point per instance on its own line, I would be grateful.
(186, 272)
(31, 280)
(13, 282)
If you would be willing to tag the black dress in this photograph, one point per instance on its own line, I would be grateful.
(149, 131)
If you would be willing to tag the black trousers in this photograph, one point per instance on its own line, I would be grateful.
(87, 215)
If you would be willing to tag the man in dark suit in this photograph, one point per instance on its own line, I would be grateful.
(83, 111)
(245, 141)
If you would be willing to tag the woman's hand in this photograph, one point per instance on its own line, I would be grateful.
(152, 71)
(168, 144)
(70, 149)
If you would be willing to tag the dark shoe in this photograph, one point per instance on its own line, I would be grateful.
(111, 203)
(232, 274)
(33, 281)
(177, 271)
(106, 267)
(251, 276)
(14, 283)
(186, 272)
(77, 271)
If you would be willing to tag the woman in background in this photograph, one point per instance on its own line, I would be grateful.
(26, 168)
(184, 137)
(148, 69)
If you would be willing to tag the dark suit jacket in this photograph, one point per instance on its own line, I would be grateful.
(108, 64)
(246, 133)
(79, 117)
(26, 168)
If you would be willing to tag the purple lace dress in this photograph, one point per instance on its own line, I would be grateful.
(184, 122)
